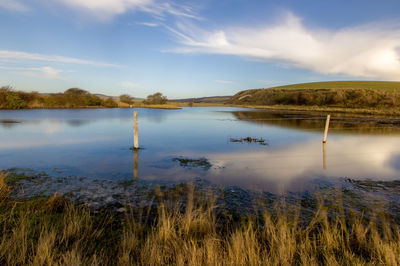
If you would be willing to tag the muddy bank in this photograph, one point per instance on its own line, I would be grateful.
(354, 196)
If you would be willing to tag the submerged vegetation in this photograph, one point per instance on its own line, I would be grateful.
(71, 98)
(189, 230)
(261, 141)
(193, 163)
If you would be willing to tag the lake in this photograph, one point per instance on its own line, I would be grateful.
(198, 144)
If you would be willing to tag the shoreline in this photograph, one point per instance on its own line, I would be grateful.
(392, 112)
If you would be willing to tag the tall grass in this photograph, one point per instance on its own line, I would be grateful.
(53, 231)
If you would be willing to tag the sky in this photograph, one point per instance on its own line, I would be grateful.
(194, 48)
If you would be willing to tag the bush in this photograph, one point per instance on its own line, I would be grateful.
(71, 98)
(110, 103)
(125, 98)
(10, 99)
(156, 98)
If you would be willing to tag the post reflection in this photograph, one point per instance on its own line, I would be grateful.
(324, 156)
(135, 163)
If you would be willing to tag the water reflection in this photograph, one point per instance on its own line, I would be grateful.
(193, 143)
(135, 163)
(78, 122)
(340, 123)
(283, 169)
(8, 123)
(324, 155)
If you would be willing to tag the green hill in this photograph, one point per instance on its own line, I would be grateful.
(391, 86)
(347, 94)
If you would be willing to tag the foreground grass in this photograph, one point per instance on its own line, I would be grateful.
(52, 231)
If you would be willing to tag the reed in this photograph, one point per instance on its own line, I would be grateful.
(55, 232)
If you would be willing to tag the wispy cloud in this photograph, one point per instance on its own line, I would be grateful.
(107, 9)
(370, 51)
(147, 24)
(13, 5)
(18, 56)
(225, 82)
(43, 72)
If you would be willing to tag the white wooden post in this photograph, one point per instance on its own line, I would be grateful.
(135, 131)
(328, 118)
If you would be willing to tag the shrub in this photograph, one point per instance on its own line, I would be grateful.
(125, 98)
(110, 103)
(156, 98)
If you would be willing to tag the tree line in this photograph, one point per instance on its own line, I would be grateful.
(71, 98)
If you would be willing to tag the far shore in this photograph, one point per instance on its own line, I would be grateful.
(304, 108)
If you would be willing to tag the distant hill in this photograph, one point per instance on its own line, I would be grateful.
(213, 99)
(392, 86)
(349, 94)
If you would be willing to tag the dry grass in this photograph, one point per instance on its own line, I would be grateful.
(54, 232)
(368, 99)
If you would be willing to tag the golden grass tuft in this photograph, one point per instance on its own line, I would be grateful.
(196, 236)
(5, 190)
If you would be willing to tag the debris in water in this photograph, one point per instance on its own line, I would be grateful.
(261, 141)
(190, 163)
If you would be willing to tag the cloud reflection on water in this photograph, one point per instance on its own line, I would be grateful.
(284, 168)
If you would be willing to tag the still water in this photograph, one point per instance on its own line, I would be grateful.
(195, 144)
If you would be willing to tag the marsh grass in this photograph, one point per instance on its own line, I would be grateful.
(189, 231)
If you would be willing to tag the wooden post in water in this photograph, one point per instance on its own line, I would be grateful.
(328, 118)
(135, 131)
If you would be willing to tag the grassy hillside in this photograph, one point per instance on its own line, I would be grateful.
(344, 94)
(390, 86)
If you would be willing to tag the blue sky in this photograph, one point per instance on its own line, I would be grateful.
(194, 48)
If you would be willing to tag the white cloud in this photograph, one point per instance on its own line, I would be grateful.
(282, 167)
(44, 72)
(13, 5)
(6, 56)
(106, 9)
(369, 51)
(148, 24)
